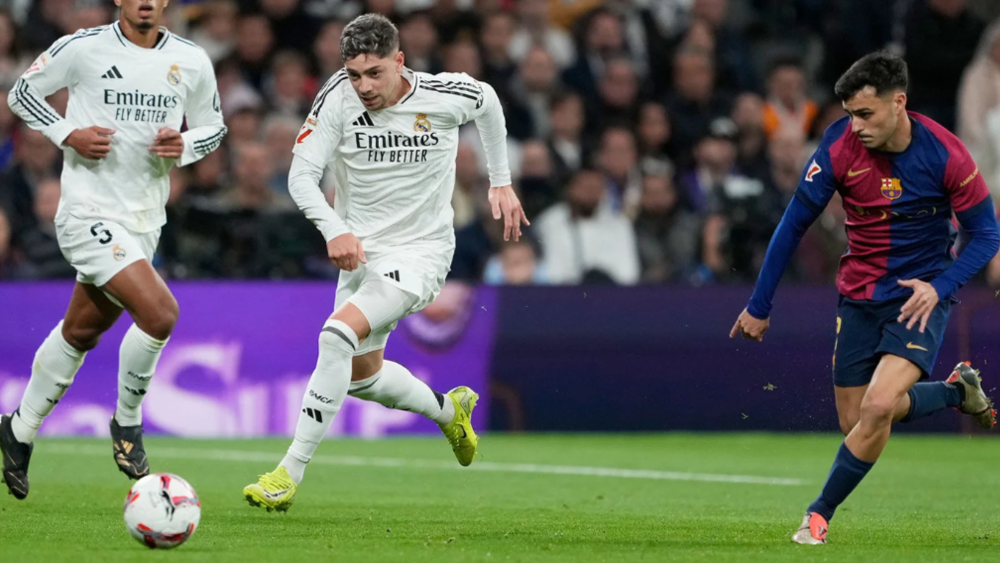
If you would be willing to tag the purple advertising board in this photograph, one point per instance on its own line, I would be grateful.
(240, 356)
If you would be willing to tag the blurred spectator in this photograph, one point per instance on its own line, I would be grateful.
(585, 242)
(469, 185)
(853, 28)
(418, 40)
(463, 56)
(291, 89)
(47, 21)
(535, 28)
(714, 165)
(35, 159)
(645, 44)
(517, 264)
(788, 104)
(216, 30)
(279, 138)
(786, 152)
(979, 109)
(666, 234)
(528, 108)
(751, 145)
(618, 95)
(476, 243)
(694, 103)
(941, 39)
(8, 122)
(37, 243)
(243, 113)
(538, 192)
(618, 160)
(653, 131)
(88, 16)
(254, 41)
(736, 71)
(11, 65)
(6, 259)
(568, 149)
(326, 49)
(602, 40)
(252, 173)
(498, 66)
(292, 28)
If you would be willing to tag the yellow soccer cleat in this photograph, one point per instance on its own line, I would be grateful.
(274, 491)
(459, 431)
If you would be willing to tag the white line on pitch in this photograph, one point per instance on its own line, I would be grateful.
(578, 470)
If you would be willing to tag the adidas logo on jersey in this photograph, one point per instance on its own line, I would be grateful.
(393, 275)
(112, 73)
(364, 121)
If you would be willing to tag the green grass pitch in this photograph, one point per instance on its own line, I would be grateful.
(929, 499)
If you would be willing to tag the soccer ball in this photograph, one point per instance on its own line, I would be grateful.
(162, 510)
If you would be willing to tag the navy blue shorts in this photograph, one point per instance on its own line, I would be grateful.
(868, 329)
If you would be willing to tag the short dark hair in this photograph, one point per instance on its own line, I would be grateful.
(369, 34)
(881, 70)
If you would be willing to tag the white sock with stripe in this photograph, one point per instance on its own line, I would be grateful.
(397, 388)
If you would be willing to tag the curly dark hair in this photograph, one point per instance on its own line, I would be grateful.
(881, 70)
(369, 34)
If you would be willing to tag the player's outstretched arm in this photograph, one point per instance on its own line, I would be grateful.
(206, 128)
(753, 322)
(52, 70)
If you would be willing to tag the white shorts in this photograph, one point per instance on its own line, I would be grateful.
(98, 249)
(390, 287)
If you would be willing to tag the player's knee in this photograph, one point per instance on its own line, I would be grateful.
(160, 325)
(336, 337)
(83, 339)
(878, 407)
(365, 367)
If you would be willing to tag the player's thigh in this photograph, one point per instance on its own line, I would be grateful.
(920, 348)
(893, 378)
(89, 315)
(855, 351)
(146, 297)
(849, 405)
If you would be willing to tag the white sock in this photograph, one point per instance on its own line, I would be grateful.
(137, 360)
(55, 366)
(324, 394)
(395, 387)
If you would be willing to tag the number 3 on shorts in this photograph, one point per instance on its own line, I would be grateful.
(104, 234)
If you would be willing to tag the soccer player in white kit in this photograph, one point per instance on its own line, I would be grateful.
(391, 137)
(131, 85)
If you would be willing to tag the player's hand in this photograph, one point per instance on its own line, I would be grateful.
(920, 305)
(92, 143)
(168, 143)
(505, 204)
(345, 252)
(750, 327)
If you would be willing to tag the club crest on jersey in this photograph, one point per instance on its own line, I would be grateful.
(891, 188)
(814, 169)
(174, 76)
(118, 252)
(422, 124)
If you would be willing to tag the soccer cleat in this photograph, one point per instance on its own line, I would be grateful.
(459, 431)
(976, 403)
(273, 491)
(812, 531)
(16, 456)
(130, 455)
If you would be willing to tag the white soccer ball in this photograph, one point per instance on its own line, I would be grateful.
(162, 510)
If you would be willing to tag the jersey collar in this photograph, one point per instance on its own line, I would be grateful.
(117, 28)
(414, 80)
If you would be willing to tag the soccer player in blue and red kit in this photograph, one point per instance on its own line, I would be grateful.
(902, 177)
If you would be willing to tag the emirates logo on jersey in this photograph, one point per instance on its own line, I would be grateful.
(891, 188)
(422, 124)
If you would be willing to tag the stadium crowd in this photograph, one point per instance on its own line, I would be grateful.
(652, 141)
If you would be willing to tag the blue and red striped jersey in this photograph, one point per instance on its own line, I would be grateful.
(899, 206)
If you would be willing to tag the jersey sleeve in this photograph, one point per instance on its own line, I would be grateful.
(320, 134)
(53, 70)
(818, 181)
(474, 100)
(966, 187)
(203, 111)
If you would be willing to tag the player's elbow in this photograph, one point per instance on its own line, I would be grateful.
(12, 99)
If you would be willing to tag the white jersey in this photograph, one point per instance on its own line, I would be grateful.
(116, 84)
(394, 169)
